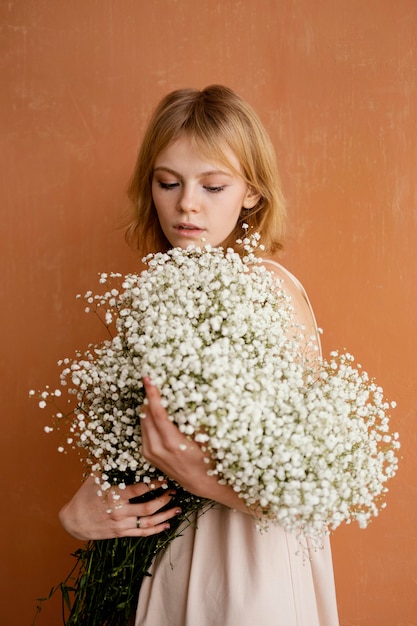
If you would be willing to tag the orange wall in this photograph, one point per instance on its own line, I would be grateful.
(335, 82)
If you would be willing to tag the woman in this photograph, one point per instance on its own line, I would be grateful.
(206, 166)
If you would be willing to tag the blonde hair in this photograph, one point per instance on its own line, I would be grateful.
(214, 118)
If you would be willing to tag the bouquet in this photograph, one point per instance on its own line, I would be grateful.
(304, 441)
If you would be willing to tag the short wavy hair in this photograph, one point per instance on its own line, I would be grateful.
(214, 118)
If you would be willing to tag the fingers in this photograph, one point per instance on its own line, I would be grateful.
(151, 390)
(140, 509)
(146, 525)
(159, 433)
(143, 519)
(139, 491)
(152, 405)
(149, 507)
(139, 499)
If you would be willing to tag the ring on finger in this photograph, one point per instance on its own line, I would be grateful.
(138, 522)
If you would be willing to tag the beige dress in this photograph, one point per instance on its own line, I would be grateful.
(227, 573)
(223, 571)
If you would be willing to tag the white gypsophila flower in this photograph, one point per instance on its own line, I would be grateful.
(307, 445)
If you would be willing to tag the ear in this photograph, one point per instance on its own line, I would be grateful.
(251, 199)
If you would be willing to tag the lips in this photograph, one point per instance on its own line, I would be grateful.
(188, 228)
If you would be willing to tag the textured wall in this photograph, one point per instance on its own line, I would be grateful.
(335, 82)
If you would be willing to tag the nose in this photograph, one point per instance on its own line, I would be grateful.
(188, 200)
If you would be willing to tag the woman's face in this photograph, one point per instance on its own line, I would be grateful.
(197, 200)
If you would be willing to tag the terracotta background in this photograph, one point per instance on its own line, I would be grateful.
(335, 82)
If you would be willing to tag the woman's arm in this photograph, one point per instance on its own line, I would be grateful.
(90, 516)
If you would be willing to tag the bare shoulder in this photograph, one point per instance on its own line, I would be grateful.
(303, 312)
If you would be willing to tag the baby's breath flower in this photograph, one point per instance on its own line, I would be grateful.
(307, 443)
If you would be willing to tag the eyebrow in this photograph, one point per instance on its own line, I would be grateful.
(162, 168)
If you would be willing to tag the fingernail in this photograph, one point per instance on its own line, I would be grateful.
(178, 511)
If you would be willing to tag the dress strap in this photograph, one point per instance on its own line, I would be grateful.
(299, 287)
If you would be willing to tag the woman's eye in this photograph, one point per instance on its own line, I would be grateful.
(214, 189)
(167, 185)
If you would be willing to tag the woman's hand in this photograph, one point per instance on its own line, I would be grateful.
(178, 457)
(167, 448)
(90, 516)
